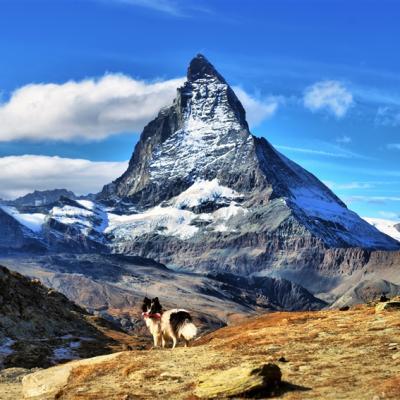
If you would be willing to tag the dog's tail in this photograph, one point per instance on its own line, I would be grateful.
(187, 330)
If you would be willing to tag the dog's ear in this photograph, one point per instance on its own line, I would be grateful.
(156, 300)
(146, 299)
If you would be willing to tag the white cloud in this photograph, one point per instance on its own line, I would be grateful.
(372, 199)
(388, 116)
(393, 146)
(164, 6)
(94, 109)
(24, 174)
(335, 152)
(257, 110)
(172, 8)
(348, 185)
(389, 214)
(330, 96)
(343, 139)
(91, 109)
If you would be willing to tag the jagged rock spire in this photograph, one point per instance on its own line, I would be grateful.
(201, 68)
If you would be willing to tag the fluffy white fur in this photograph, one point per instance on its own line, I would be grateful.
(162, 330)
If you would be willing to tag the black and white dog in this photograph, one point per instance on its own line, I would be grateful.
(172, 324)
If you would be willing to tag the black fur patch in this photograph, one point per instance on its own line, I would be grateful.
(156, 307)
(146, 304)
(178, 319)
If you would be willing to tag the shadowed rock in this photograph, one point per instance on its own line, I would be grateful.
(240, 381)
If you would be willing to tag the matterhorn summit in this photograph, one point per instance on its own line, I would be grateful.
(204, 193)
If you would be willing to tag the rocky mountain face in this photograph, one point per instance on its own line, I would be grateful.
(41, 197)
(40, 327)
(203, 195)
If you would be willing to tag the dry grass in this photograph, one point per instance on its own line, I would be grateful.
(329, 355)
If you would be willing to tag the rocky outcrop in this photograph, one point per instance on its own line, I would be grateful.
(40, 327)
(240, 382)
(390, 305)
(41, 198)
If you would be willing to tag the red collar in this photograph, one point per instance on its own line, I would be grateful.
(148, 315)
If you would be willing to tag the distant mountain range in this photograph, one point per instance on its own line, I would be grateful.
(204, 196)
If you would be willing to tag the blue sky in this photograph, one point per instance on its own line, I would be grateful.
(321, 80)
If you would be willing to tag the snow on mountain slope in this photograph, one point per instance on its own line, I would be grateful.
(175, 219)
(202, 191)
(33, 221)
(201, 141)
(386, 226)
(85, 215)
(320, 207)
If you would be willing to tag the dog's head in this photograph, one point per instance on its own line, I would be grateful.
(151, 306)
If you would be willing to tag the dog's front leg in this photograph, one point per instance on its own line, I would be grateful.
(155, 340)
(162, 340)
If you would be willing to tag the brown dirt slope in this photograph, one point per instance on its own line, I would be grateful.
(331, 354)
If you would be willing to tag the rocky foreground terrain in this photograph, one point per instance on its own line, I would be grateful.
(40, 327)
(350, 354)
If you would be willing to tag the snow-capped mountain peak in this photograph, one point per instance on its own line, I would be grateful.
(202, 192)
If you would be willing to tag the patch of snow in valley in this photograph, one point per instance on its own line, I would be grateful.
(386, 226)
(33, 221)
(66, 352)
(5, 349)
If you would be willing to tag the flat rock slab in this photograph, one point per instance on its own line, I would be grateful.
(239, 381)
(46, 383)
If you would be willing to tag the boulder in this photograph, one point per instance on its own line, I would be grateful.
(393, 305)
(240, 381)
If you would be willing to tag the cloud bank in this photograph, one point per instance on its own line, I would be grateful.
(24, 174)
(330, 96)
(94, 109)
(257, 110)
(91, 109)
